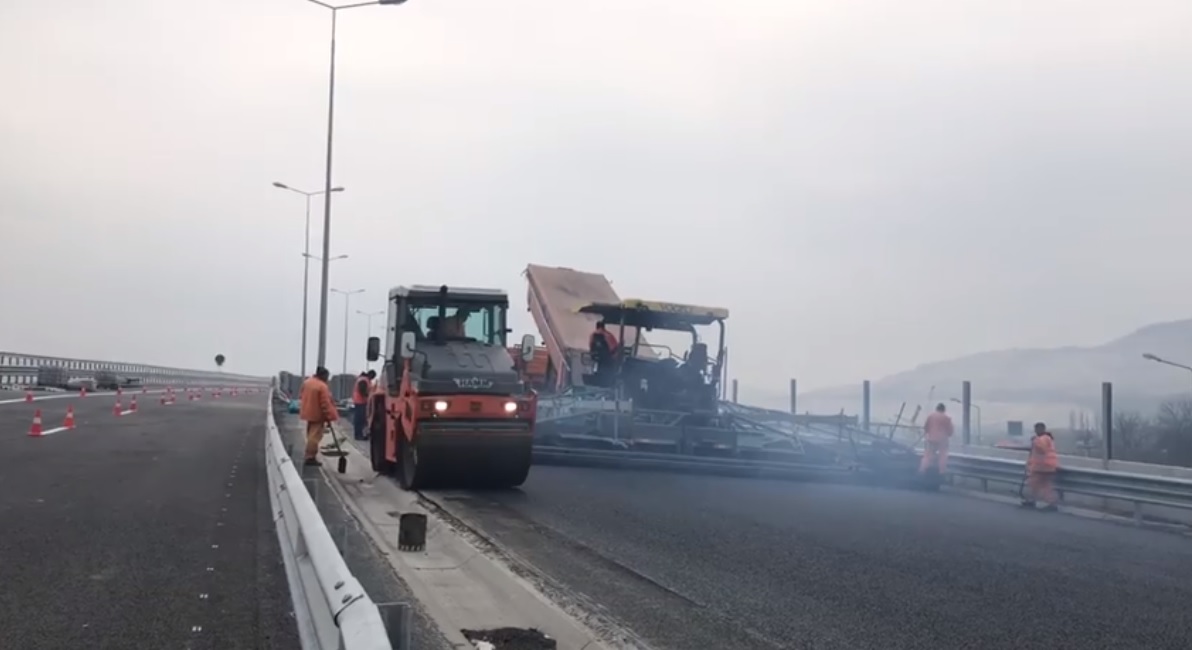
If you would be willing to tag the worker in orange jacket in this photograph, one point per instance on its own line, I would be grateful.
(361, 391)
(937, 431)
(1041, 467)
(318, 410)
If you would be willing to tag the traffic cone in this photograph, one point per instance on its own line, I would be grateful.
(133, 406)
(29, 396)
(83, 391)
(144, 390)
(116, 410)
(119, 391)
(35, 430)
(69, 423)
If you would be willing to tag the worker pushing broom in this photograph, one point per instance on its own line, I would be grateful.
(1041, 467)
(317, 408)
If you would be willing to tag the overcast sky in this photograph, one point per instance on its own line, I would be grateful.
(867, 185)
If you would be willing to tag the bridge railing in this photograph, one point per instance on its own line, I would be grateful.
(331, 608)
(1139, 490)
(20, 369)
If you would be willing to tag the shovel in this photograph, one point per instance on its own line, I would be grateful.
(342, 465)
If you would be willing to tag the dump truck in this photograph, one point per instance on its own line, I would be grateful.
(450, 409)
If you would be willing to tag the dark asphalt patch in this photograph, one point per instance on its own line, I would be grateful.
(700, 561)
(512, 638)
(150, 530)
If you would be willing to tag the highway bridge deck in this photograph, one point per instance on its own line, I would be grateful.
(151, 530)
(710, 562)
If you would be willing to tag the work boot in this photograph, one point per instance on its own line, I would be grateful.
(312, 462)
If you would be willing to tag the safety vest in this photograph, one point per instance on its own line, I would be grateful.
(1043, 459)
(938, 427)
(361, 385)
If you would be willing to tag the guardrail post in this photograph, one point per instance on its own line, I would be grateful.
(865, 405)
(966, 410)
(1106, 423)
(399, 623)
(794, 397)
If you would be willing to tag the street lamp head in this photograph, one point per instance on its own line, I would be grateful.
(339, 257)
(391, 2)
(337, 189)
(280, 185)
(1150, 357)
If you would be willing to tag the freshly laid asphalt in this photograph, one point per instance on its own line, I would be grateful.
(711, 562)
(150, 530)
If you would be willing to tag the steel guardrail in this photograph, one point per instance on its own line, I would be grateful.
(20, 369)
(1146, 487)
(331, 608)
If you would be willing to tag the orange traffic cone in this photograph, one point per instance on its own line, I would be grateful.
(35, 430)
(133, 406)
(119, 391)
(29, 396)
(69, 423)
(83, 391)
(116, 410)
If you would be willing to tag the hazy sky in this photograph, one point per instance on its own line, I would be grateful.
(866, 185)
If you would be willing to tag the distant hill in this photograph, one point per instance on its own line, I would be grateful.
(1032, 384)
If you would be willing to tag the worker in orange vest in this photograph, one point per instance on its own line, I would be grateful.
(937, 431)
(602, 345)
(360, 393)
(1041, 467)
(318, 410)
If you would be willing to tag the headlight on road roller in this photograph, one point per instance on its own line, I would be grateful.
(440, 406)
(510, 407)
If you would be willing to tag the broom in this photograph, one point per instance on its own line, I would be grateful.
(341, 465)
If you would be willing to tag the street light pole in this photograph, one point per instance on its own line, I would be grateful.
(1150, 357)
(347, 301)
(978, 417)
(322, 356)
(305, 263)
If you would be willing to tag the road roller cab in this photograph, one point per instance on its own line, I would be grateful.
(450, 409)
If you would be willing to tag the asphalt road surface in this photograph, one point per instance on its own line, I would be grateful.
(711, 562)
(151, 530)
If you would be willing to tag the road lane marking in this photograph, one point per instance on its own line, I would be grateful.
(39, 398)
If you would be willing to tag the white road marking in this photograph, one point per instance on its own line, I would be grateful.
(54, 430)
(40, 398)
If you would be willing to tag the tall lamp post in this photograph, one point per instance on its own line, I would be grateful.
(978, 417)
(306, 262)
(347, 301)
(327, 179)
(1150, 357)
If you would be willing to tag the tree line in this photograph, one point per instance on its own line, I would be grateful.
(1163, 437)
